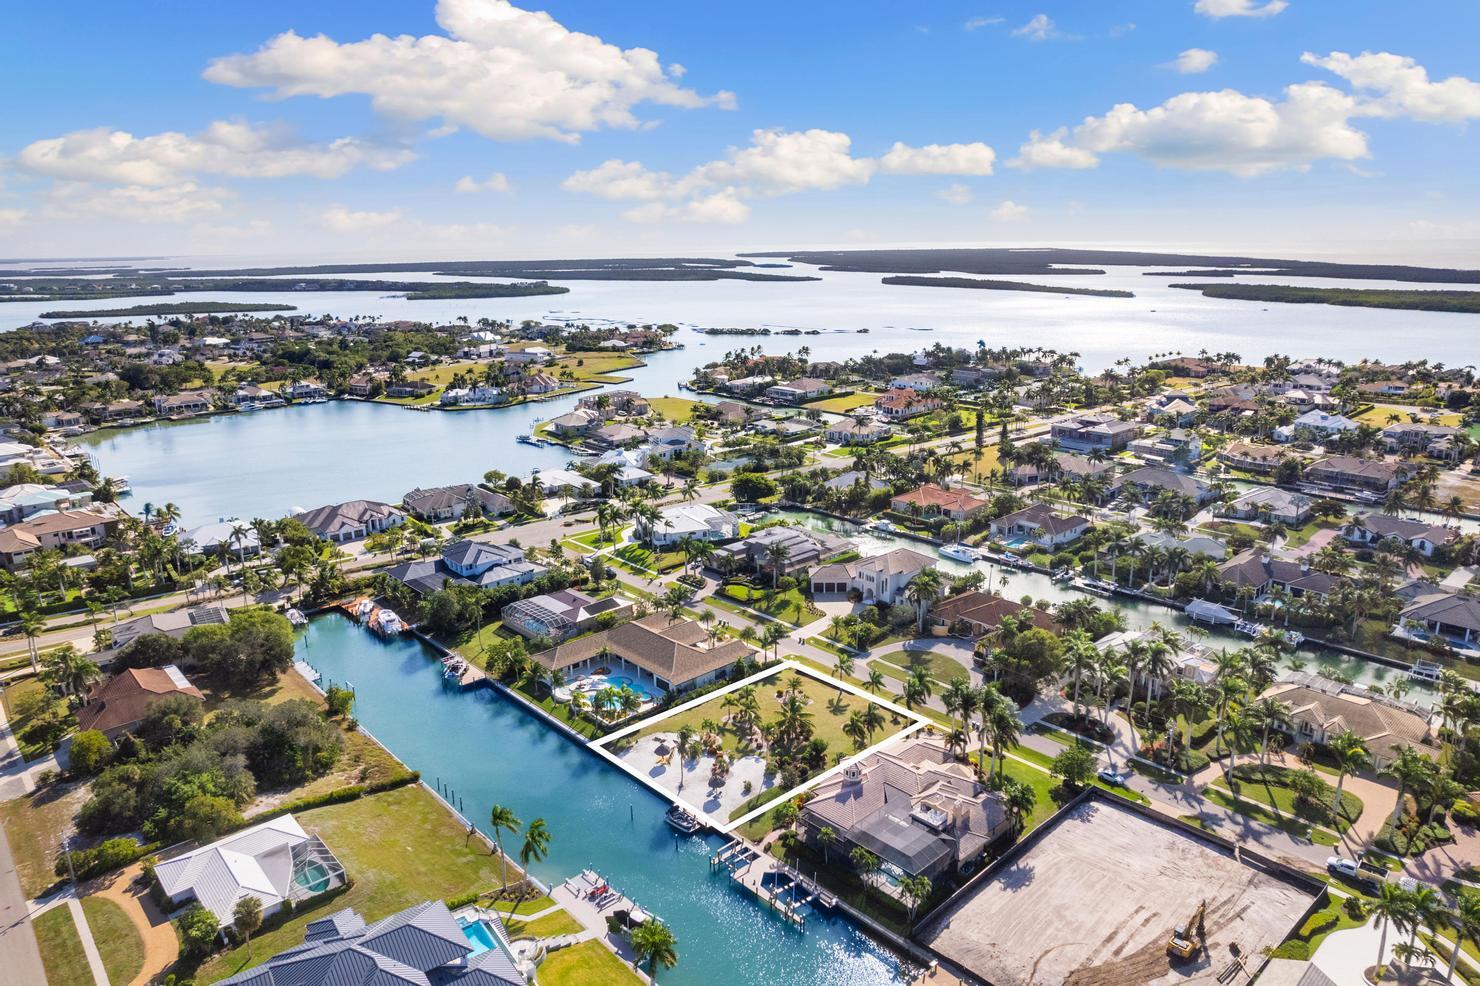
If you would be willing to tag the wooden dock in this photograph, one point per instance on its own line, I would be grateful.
(464, 673)
(788, 893)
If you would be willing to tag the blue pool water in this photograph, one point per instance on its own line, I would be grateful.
(490, 751)
(478, 935)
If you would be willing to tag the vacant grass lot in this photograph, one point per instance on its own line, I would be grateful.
(586, 964)
(61, 948)
(842, 405)
(790, 606)
(662, 561)
(1380, 415)
(28, 696)
(939, 666)
(33, 825)
(677, 410)
(1270, 785)
(399, 847)
(118, 941)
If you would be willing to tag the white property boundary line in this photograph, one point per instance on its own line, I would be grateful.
(725, 826)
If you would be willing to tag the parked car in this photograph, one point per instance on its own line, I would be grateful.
(1114, 777)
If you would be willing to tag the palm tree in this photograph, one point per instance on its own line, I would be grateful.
(842, 667)
(1389, 907)
(69, 670)
(917, 688)
(502, 820)
(1351, 755)
(685, 749)
(1466, 918)
(922, 591)
(1020, 799)
(32, 625)
(1080, 653)
(1411, 770)
(653, 945)
(1267, 714)
(875, 682)
(1000, 721)
(536, 843)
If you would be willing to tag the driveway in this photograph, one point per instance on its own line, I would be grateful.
(161, 946)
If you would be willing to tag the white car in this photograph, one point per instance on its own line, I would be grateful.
(1113, 777)
(1342, 866)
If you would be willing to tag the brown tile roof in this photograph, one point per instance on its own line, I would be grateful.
(123, 700)
(988, 609)
(668, 650)
(931, 495)
(1385, 729)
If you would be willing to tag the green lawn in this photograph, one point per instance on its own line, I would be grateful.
(34, 825)
(587, 964)
(829, 713)
(24, 701)
(400, 847)
(1267, 785)
(678, 410)
(117, 939)
(1261, 813)
(940, 667)
(1297, 536)
(644, 557)
(533, 905)
(549, 926)
(844, 404)
(791, 605)
(61, 948)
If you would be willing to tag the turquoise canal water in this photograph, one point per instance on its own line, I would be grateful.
(488, 751)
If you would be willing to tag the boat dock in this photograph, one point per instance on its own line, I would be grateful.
(464, 673)
(789, 894)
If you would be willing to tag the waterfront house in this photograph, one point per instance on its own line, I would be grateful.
(853, 477)
(902, 404)
(223, 537)
(403, 389)
(1094, 432)
(477, 394)
(851, 432)
(801, 549)
(914, 808)
(184, 403)
(250, 393)
(665, 443)
(562, 613)
(699, 521)
(575, 423)
(677, 655)
(880, 579)
(1188, 660)
(26, 499)
(1383, 388)
(1196, 545)
(173, 623)
(975, 376)
(1259, 573)
(1039, 524)
(1249, 457)
(58, 529)
(1178, 448)
(1374, 528)
(305, 390)
(1152, 481)
(984, 612)
(363, 384)
(1171, 409)
(1321, 709)
(1188, 366)
(749, 385)
(443, 503)
(796, 391)
(118, 705)
(1271, 504)
(351, 520)
(530, 356)
(930, 500)
(1451, 616)
(60, 420)
(616, 435)
(1352, 474)
(628, 402)
(566, 482)
(275, 861)
(539, 383)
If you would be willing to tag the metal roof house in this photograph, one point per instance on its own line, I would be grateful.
(274, 862)
(424, 945)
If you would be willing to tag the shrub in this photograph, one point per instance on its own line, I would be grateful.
(1464, 812)
(110, 854)
(198, 928)
(1292, 949)
(1355, 908)
(90, 752)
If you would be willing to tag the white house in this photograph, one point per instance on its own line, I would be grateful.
(699, 521)
(880, 579)
(1041, 525)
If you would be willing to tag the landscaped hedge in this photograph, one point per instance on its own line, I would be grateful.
(338, 796)
(111, 854)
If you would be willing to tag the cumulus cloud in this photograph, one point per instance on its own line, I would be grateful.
(1040, 28)
(186, 201)
(777, 162)
(500, 71)
(496, 182)
(956, 194)
(1008, 211)
(1402, 87)
(343, 220)
(1193, 61)
(1218, 9)
(1052, 152)
(233, 148)
(939, 159)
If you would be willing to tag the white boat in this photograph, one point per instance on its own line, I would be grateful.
(1097, 586)
(386, 622)
(296, 617)
(959, 552)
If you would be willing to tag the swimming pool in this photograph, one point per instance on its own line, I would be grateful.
(314, 878)
(478, 935)
(590, 684)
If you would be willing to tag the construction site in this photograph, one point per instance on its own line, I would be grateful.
(1109, 895)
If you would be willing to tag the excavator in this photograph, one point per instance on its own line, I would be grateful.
(1187, 942)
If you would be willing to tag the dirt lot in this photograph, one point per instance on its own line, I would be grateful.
(1093, 903)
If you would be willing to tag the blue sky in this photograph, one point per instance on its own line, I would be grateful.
(476, 128)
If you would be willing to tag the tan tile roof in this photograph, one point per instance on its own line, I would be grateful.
(123, 700)
(654, 643)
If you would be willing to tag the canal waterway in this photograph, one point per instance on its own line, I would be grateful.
(488, 750)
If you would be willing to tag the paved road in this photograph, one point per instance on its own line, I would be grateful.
(20, 960)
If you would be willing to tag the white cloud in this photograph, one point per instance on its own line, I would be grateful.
(1402, 86)
(503, 72)
(956, 194)
(976, 23)
(939, 159)
(777, 162)
(12, 217)
(1040, 28)
(1218, 9)
(136, 203)
(343, 220)
(234, 148)
(1052, 152)
(1193, 61)
(496, 182)
(1008, 211)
